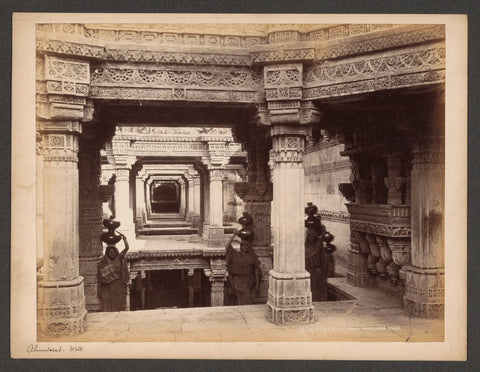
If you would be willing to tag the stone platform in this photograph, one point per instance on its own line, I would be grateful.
(372, 316)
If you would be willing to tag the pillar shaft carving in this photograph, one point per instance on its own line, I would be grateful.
(217, 275)
(123, 211)
(394, 181)
(424, 278)
(289, 300)
(215, 232)
(90, 219)
(62, 87)
(61, 300)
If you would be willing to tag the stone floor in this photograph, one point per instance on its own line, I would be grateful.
(372, 316)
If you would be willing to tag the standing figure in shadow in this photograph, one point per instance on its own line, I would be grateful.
(243, 265)
(113, 277)
(316, 265)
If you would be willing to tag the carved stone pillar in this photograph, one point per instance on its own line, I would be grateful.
(183, 197)
(206, 207)
(257, 196)
(61, 300)
(90, 219)
(394, 181)
(424, 278)
(148, 196)
(217, 275)
(289, 294)
(140, 200)
(122, 202)
(289, 118)
(62, 87)
(132, 277)
(360, 179)
(196, 200)
(189, 185)
(215, 228)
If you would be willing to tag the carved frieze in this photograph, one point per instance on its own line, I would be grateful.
(173, 134)
(334, 216)
(169, 263)
(168, 94)
(408, 37)
(327, 167)
(418, 67)
(239, 85)
(283, 55)
(398, 213)
(412, 61)
(171, 77)
(381, 229)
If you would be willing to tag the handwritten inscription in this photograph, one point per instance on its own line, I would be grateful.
(35, 348)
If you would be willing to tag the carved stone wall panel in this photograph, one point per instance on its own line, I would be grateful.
(283, 75)
(67, 70)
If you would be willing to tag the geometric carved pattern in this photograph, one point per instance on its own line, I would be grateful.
(429, 33)
(67, 70)
(169, 94)
(370, 85)
(358, 70)
(144, 77)
(383, 220)
(288, 148)
(380, 229)
(417, 67)
(280, 55)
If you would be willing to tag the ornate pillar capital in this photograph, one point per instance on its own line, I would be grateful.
(62, 88)
(216, 174)
(288, 144)
(217, 155)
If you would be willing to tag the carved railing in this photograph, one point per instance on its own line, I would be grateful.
(210, 260)
(383, 236)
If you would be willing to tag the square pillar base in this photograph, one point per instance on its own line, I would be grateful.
(215, 236)
(424, 291)
(195, 221)
(289, 298)
(61, 308)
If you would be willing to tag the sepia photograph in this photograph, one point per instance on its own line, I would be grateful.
(239, 186)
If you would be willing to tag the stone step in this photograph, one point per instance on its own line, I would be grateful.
(168, 231)
(166, 225)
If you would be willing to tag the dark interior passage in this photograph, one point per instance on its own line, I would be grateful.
(165, 197)
(170, 289)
